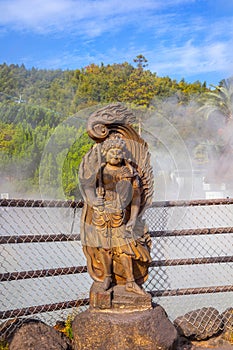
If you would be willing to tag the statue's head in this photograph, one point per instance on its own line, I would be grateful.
(114, 149)
(113, 141)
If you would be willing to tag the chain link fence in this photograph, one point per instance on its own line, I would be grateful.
(43, 269)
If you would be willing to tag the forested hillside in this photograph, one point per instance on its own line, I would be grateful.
(40, 105)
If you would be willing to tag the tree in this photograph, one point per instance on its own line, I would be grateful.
(218, 105)
(71, 164)
(140, 88)
(220, 101)
(141, 61)
(101, 84)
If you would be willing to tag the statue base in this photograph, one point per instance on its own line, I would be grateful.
(97, 329)
(117, 298)
(118, 319)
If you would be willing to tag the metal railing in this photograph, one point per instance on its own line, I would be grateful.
(42, 258)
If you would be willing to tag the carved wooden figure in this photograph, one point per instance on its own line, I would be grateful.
(116, 181)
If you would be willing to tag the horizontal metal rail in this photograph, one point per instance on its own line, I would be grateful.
(43, 308)
(31, 203)
(81, 302)
(191, 291)
(79, 204)
(192, 261)
(15, 276)
(21, 203)
(61, 237)
(191, 203)
(192, 232)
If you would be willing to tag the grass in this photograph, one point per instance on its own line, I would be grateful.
(4, 345)
(66, 328)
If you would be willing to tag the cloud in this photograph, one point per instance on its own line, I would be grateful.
(186, 60)
(190, 59)
(83, 16)
(178, 37)
(197, 45)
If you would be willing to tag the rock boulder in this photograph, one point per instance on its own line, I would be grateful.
(38, 336)
(199, 324)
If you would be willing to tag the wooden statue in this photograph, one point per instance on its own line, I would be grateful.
(116, 181)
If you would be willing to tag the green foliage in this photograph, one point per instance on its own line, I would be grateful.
(101, 84)
(4, 345)
(219, 101)
(71, 165)
(186, 91)
(217, 108)
(36, 144)
(66, 327)
(11, 112)
(141, 61)
(140, 88)
(60, 162)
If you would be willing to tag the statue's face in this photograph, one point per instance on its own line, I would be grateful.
(114, 156)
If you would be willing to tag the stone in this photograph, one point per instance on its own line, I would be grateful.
(216, 343)
(199, 324)
(8, 327)
(227, 317)
(126, 330)
(38, 336)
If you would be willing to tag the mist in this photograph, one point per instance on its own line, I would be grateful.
(191, 155)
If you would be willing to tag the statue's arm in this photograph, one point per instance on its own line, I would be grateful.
(135, 206)
(92, 199)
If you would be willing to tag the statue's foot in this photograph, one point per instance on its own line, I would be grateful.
(107, 282)
(134, 287)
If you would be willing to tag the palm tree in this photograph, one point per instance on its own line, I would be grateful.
(220, 101)
(220, 104)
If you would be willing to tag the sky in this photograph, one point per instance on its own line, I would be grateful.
(190, 39)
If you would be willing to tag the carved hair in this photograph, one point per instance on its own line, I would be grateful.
(101, 122)
(114, 141)
(114, 111)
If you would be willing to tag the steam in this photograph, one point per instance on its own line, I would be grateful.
(190, 155)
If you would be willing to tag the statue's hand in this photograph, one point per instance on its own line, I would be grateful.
(130, 225)
(98, 202)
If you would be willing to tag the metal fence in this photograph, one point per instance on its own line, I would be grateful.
(43, 270)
